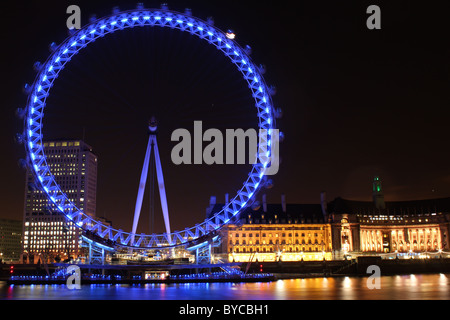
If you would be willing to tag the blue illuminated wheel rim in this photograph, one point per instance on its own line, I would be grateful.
(62, 54)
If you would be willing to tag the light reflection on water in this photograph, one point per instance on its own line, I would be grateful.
(401, 287)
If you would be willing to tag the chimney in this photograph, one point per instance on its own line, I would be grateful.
(283, 202)
(264, 199)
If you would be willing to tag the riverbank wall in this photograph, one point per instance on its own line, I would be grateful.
(280, 270)
(356, 266)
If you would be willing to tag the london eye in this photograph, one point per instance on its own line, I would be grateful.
(119, 21)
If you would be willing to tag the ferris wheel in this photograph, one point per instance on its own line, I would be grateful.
(47, 74)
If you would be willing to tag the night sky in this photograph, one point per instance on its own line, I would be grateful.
(356, 102)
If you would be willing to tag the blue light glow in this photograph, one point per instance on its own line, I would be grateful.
(244, 65)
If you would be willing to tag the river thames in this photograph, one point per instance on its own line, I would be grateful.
(398, 287)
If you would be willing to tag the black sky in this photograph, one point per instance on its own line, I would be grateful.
(356, 102)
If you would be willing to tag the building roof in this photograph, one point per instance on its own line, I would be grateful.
(295, 213)
(340, 205)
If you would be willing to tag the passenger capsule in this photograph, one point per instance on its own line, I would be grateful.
(272, 90)
(262, 69)
(278, 113)
(52, 46)
(22, 163)
(20, 113)
(26, 88)
(37, 66)
(18, 138)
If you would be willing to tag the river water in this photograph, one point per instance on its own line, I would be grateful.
(399, 287)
